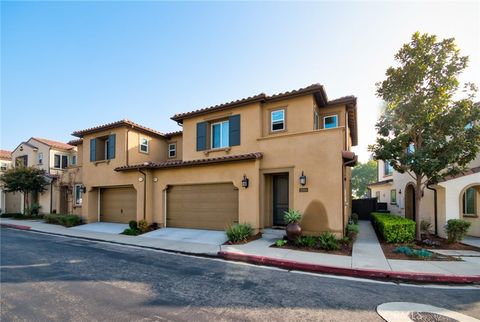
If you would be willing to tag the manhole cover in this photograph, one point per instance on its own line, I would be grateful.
(429, 317)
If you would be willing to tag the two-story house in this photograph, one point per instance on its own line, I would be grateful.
(55, 158)
(245, 161)
(12, 198)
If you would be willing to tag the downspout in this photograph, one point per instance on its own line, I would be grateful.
(435, 209)
(126, 148)
(51, 195)
(144, 193)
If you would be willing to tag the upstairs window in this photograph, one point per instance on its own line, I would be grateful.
(172, 150)
(144, 145)
(102, 148)
(277, 120)
(74, 160)
(64, 161)
(393, 196)
(330, 122)
(3, 166)
(387, 168)
(40, 158)
(470, 202)
(56, 161)
(21, 161)
(220, 135)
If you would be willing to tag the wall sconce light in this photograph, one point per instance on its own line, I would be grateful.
(245, 181)
(400, 191)
(303, 179)
(155, 179)
(140, 179)
(83, 189)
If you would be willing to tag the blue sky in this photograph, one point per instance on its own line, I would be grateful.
(71, 65)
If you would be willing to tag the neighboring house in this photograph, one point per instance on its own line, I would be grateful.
(53, 157)
(457, 197)
(5, 164)
(245, 161)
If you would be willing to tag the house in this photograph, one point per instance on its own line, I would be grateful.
(55, 158)
(245, 161)
(456, 197)
(5, 164)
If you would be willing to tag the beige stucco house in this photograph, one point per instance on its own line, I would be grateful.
(5, 164)
(55, 158)
(244, 161)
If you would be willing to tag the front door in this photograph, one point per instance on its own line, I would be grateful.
(280, 198)
(63, 199)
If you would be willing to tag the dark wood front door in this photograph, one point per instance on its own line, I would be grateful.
(63, 200)
(280, 198)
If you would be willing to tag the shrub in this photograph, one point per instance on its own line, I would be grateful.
(306, 241)
(130, 232)
(292, 216)
(64, 220)
(327, 241)
(352, 231)
(239, 233)
(34, 210)
(133, 225)
(423, 253)
(9, 215)
(425, 227)
(142, 226)
(280, 242)
(456, 229)
(393, 228)
(354, 218)
(404, 250)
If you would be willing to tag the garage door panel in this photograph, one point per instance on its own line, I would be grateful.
(118, 204)
(204, 206)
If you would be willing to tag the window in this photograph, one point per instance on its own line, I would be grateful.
(143, 145)
(74, 160)
(64, 161)
(387, 168)
(3, 166)
(78, 194)
(220, 133)
(330, 122)
(393, 197)
(172, 150)
(40, 158)
(277, 120)
(102, 148)
(21, 161)
(377, 195)
(56, 161)
(316, 121)
(470, 201)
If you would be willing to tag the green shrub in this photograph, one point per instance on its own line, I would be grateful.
(133, 224)
(393, 228)
(9, 215)
(404, 250)
(352, 231)
(456, 229)
(292, 216)
(422, 253)
(142, 226)
(64, 220)
(306, 241)
(34, 210)
(131, 232)
(327, 241)
(239, 233)
(280, 242)
(354, 218)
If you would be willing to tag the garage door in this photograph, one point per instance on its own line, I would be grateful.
(13, 201)
(118, 204)
(203, 206)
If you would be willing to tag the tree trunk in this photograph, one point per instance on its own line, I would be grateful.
(26, 202)
(418, 199)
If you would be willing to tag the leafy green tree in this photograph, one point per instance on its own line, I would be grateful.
(362, 175)
(430, 128)
(26, 180)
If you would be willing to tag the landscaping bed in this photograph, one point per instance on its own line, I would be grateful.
(345, 249)
(247, 240)
(390, 253)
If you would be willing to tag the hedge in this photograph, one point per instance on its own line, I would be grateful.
(393, 228)
(64, 220)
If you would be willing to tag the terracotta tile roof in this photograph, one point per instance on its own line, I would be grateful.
(462, 174)
(176, 133)
(379, 183)
(5, 155)
(180, 163)
(75, 142)
(124, 122)
(54, 144)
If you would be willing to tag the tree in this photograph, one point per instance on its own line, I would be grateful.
(26, 180)
(362, 175)
(426, 131)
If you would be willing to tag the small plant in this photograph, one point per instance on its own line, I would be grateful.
(327, 241)
(352, 231)
(425, 227)
(422, 253)
(238, 233)
(354, 218)
(142, 226)
(306, 241)
(431, 243)
(404, 250)
(133, 224)
(64, 220)
(292, 216)
(456, 230)
(130, 232)
(34, 210)
(280, 242)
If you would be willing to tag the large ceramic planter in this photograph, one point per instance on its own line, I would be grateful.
(293, 231)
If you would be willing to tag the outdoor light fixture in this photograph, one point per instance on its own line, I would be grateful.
(400, 191)
(140, 179)
(83, 189)
(303, 179)
(245, 181)
(155, 179)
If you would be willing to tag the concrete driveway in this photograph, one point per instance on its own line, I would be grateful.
(200, 236)
(102, 227)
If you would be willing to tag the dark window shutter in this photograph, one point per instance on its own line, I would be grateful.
(93, 150)
(111, 147)
(234, 130)
(202, 136)
(64, 161)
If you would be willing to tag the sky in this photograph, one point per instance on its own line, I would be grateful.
(67, 66)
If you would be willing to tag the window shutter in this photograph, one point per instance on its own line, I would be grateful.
(93, 150)
(202, 136)
(111, 147)
(234, 130)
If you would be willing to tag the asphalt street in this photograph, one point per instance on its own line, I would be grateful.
(51, 278)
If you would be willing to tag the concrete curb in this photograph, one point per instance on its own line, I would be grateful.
(353, 272)
(21, 227)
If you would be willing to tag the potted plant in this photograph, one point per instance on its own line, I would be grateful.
(292, 218)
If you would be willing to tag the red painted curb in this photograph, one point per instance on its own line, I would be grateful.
(353, 272)
(16, 226)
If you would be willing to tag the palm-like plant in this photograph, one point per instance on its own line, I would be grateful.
(292, 216)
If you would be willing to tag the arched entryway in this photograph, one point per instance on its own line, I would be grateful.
(410, 202)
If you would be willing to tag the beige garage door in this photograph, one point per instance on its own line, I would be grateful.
(13, 202)
(203, 206)
(118, 204)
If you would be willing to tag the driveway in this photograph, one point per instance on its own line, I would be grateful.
(200, 236)
(102, 227)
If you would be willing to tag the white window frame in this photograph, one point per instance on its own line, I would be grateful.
(105, 148)
(174, 150)
(73, 160)
(328, 116)
(277, 122)
(40, 158)
(147, 145)
(59, 162)
(3, 166)
(465, 203)
(316, 120)
(78, 186)
(222, 146)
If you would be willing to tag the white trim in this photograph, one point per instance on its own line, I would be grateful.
(146, 145)
(221, 134)
(174, 150)
(40, 158)
(277, 122)
(75, 195)
(336, 121)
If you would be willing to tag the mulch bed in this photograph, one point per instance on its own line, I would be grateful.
(251, 238)
(443, 244)
(345, 249)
